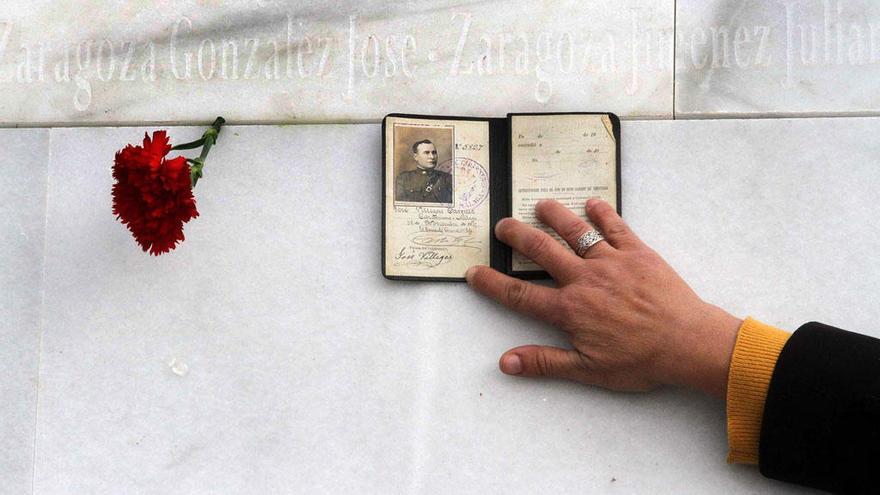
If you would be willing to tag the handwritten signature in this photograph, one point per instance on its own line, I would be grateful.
(433, 239)
(426, 259)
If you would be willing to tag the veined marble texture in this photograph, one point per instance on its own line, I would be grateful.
(777, 57)
(265, 61)
(267, 354)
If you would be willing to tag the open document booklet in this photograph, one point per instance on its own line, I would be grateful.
(448, 180)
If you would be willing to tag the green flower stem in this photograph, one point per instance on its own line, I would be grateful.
(208, 140)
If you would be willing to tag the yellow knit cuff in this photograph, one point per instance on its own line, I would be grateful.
(751, 366)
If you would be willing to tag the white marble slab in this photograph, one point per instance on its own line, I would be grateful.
(267, 353)
(24, 155)
(276, 61)
(773, 218)
(770, 218)
(785, 57)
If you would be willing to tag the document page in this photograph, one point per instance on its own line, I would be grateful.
(436, 196)
(569, 158)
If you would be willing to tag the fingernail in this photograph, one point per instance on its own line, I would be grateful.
(469, 274)
(498, 225)
(511, 364)
(592, 202)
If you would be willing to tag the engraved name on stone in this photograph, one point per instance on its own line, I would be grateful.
(299, 52)
(834, 35)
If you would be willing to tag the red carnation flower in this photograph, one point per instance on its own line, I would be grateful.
(153, 195)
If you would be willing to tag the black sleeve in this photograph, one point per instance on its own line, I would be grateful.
(821, 425)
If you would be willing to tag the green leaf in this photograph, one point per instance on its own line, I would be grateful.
(189, 146)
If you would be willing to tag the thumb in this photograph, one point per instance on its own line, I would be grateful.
(537, 360)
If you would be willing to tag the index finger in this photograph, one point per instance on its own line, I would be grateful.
(539, 247)
(523, 297)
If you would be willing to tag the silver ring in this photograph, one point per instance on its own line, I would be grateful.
(586, 241)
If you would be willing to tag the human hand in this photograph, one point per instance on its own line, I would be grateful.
(633, 322)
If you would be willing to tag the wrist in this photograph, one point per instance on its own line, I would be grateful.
(701, 357)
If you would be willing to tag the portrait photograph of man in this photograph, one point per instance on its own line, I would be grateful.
(423, 165)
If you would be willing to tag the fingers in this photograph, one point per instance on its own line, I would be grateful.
(553, 362)
(531, 299)
(538, 246)
(615, 230)
(569, 226)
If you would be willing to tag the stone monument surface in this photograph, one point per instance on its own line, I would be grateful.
(781, 57)
(273, 61)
